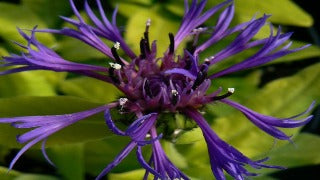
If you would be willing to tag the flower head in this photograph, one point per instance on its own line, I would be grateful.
(155, 85)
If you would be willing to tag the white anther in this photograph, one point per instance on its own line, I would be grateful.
(209, 59)
(148, 135)
(115, 66)
(148, 23)
(123, 101)
(177, 132)
(195, 30)
(199, 30)
(231, 90)
(117, 45)
(174, 92)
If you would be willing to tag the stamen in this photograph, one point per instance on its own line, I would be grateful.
(123, 101)
(148, 23)
(115, 53)
(174, 98)
(229, 93)
(202, 75)
(115, 66)
(176, 132)
(143, 48)
(188, 63)
(148, 135)
(231, 90)
(171, 47)
(117, 45)
(174, 92)
(112, 76)
(147, 89)
(146, 35)
(199, 30)
(208, 60)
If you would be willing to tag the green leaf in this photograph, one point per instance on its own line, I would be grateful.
(3, 52)
(36, 83)
(134, 6)
(190, 137)
(283, 12)
(15, 175)
(131, 175)
(88, 129)
(35, 177)
(174, 155)
(25, 19)
(265, 178)
(74, 50)
(98, 154)
(69, 160)
(304, 151)
(49, 11)
(91, 89)
(5, 175)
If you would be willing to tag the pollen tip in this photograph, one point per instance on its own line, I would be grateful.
(177, 132)
(123, 101)
(148, 23)
(115, 66)
(199, 30)
(174, 92)
(117, 45)
(208, 60)
(148, 135)
(231, 90)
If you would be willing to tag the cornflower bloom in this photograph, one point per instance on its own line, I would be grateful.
(156, 85)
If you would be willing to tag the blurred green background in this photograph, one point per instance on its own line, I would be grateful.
(281, 88)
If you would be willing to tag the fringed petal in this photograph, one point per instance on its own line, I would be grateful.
(193, 18)
(222, 155)
(46, 59)
(124, 153)
(268, 123)
(45, 126)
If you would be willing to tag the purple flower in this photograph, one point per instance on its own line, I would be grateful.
(44, 126)
(162, 165)
(156, 85)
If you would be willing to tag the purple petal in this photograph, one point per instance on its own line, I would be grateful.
(268, 123)
(139, 133)
(144, 164)
(25, 148)
(55, 123)
(193, 18)
(137, 123)
(222, 155)
(162, 165)
(124, 153)
(180, 71)
(244, 37)
(111, 125)
(145, 142)
(46, 59)
(43, 149)
(220, 29)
